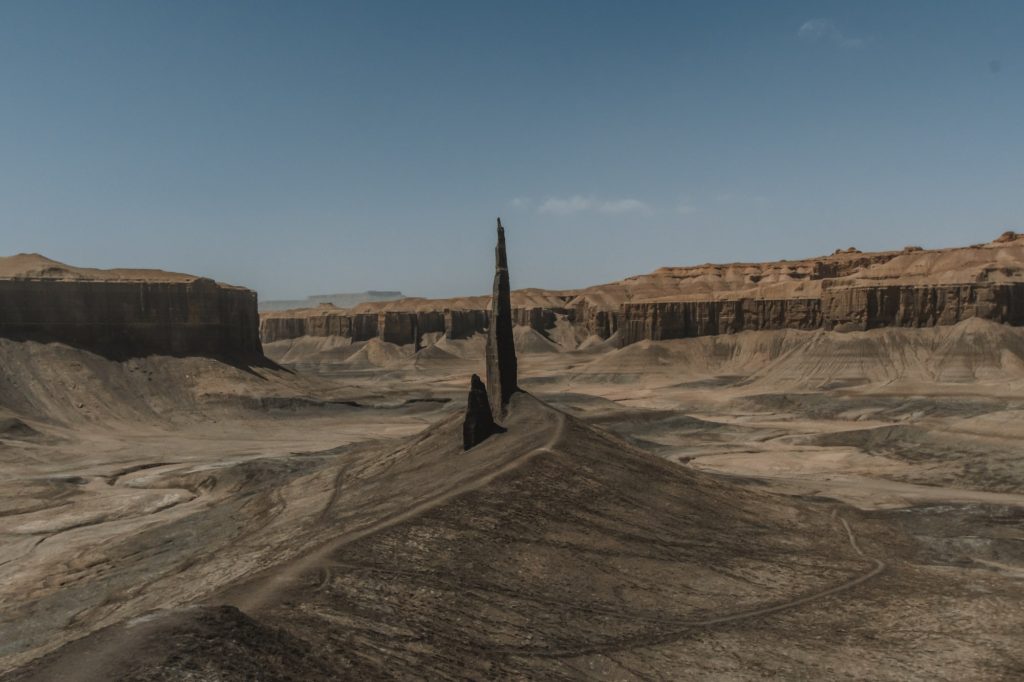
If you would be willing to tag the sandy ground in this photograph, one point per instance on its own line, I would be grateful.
(648, 517)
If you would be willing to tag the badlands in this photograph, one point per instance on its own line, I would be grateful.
(803, 469)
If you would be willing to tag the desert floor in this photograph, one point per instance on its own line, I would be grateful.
(185, 519)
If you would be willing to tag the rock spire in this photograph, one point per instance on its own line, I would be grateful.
(479, 422)
(501, 349)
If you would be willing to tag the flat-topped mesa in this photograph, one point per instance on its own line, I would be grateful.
(125, 313)
(501, 350)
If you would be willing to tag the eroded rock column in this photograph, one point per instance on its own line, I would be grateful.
(501, 350)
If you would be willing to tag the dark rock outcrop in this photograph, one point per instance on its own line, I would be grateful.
(122, 317)
(841, 309)
(479, 422)
(683, 319)
(321, 322)
(462, 324)
(500, 353)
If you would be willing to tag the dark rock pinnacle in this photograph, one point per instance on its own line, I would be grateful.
(479, 422)
(501, 349)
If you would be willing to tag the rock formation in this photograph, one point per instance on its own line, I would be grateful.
(126, 313)
(500, 354)
(479, 422)
(845, 291)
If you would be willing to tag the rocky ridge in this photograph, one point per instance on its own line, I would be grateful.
(126, 312)
(845, 291)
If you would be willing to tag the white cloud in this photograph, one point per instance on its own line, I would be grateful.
(578, 203)
(624, 206)
(573, 204)
(521, 202)
(818, 30)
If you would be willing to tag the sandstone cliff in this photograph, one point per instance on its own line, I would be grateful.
(126, 313)
(847, 290)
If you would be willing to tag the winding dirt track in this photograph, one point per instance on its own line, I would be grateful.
(683, 627)
(264, 591)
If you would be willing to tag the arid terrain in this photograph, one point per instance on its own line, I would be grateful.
(787, 499)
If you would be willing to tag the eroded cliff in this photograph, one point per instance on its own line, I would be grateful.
(126, 313)
(845, 291)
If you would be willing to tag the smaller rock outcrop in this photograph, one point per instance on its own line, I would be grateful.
(479, 423)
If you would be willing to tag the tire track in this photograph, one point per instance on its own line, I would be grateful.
(684, 627)
(267, 590)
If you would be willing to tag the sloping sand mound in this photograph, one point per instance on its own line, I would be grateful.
(531, 341)
(471, 348)
(432, 357)
(311, 349)
(377, 353)
(545, 544)
(58, 384)
(972, 351)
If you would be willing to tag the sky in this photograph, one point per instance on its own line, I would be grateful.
(315, 147)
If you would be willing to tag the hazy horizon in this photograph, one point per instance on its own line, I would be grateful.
(323, 147)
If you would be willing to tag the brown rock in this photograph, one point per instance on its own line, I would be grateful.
(478, 424)
(500, 353)
(848, 290)
(127, 313)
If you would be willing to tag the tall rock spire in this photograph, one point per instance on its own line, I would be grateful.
(501, 348)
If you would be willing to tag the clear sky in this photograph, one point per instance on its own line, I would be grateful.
(304, 147)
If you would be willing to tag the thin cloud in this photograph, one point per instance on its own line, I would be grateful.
(521, 202)
(825, 30)
(568, 206)
(624, 206)
(578, 204)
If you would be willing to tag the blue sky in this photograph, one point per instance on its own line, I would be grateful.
(308, 147)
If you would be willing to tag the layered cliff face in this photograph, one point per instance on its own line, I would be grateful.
(400, 327)
(846, 291)
(126, 313)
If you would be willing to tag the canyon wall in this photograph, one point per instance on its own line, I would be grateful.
(126, 317)
(845, 291)
(393, 326)
(840, 309)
